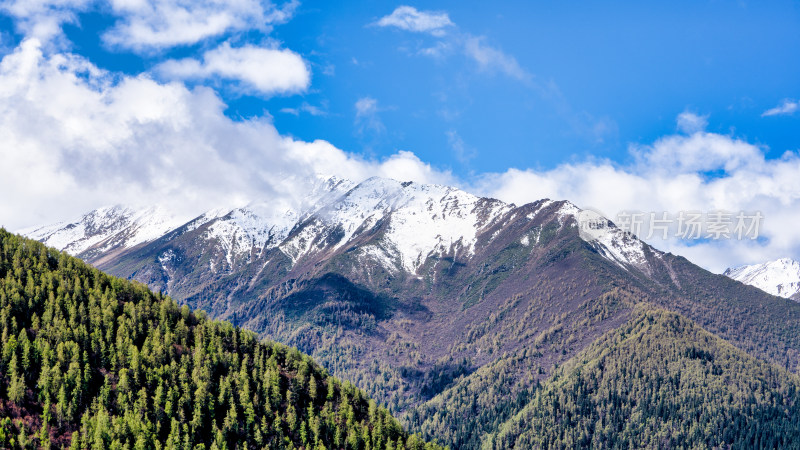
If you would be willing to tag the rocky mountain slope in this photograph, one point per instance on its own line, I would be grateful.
(780, 277)
(449, 308)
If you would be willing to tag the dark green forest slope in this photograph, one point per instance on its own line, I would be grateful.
(93, 361)
(660, 381)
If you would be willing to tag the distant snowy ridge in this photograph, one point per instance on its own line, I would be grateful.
(411, 222)
(780, 277)
(258, 225)
(106, 228)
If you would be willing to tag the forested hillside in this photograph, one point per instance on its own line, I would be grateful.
(660, 381)
(93, 361)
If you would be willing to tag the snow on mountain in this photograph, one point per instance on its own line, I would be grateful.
(780, 277)
(422, 220)
(259, 225)
(432, 219)
(106, 228)
(251, 227)
(624, 248)
(415, 221)
(264, 225)
(615, 244)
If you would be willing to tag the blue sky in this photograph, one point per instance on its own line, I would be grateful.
(603, 103)
(601, 75)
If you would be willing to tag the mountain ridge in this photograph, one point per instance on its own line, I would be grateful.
(344, 207)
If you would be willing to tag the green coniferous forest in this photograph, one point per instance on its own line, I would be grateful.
(93, 361)
(660, 381)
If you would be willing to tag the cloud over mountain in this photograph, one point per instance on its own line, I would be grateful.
(700, 171)
(89, 137)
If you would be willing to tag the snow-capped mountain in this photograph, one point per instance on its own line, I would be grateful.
(780, 277)
(380, 233)
(262, 225)
(425, 220)
(411, 223)
(106, 229)
(403, 239)
(622, 248)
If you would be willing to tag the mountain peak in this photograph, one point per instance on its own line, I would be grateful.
(420, 220)
(617, 245)
(780, 277)
(106, 228)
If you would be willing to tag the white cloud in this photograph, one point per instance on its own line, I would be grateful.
(689, 122)
(462, 152)
(487, 57)
(672, 175)
(305, 107)
(73, 137)
(438, 50)
(367, 118)
(151, 25)
(493, 59)
(406, 166)
(267, 71)
(366, 106)
(43, 18)
(410, 19)
(146, 25)
(787, 107)
(699, 152)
